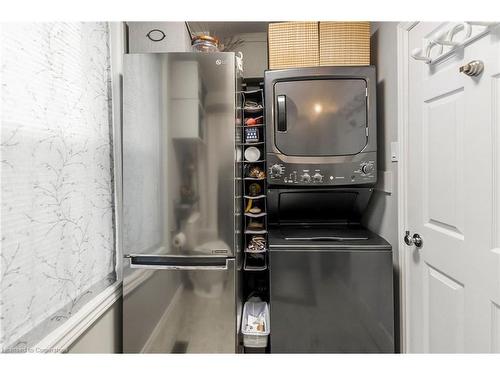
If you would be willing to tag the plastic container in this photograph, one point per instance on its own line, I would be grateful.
(255, 339)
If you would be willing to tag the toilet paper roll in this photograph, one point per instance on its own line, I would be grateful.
(179, 240)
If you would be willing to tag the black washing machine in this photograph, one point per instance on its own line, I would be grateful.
(331, 280)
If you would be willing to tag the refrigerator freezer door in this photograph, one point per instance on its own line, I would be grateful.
(180, 311)
(179, 152)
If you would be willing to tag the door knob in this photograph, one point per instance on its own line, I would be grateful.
(413, 240)
(472, 69)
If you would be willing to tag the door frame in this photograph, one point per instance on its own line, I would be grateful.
(403, 30)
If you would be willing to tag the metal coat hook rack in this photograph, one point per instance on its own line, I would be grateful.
(446, 39)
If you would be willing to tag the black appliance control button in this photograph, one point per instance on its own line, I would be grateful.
(305, 177)
(318, 177)
(366, 168)
(277, 170)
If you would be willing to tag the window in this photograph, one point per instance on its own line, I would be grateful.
(57, 214)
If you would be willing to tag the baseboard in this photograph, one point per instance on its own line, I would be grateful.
(64, 336)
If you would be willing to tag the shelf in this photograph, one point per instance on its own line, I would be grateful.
(253, 109)
(250, 144)
(262, 267)
(255, 252)
(253, 82)
(251, 231)
(249, 126)
(250, 162)
(250, 92)
(254, 197)
(249, 214)
(246, 268)
(253, 179)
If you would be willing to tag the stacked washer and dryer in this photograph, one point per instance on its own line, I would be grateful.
(331, 279)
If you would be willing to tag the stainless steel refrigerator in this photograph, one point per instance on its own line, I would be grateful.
(181, 203)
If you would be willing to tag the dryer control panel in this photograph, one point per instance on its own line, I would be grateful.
(354, 173)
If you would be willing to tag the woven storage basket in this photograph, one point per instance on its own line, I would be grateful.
(293, 45)
(344, 43)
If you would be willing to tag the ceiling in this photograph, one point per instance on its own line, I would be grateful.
(225, 29)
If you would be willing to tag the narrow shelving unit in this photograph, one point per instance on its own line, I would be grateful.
(254, 183)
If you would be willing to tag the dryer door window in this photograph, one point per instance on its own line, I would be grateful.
(320, 117)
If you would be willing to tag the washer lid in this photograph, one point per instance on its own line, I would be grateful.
(333, 237)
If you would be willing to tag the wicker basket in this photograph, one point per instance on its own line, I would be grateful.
(344, 43)
(293, 45)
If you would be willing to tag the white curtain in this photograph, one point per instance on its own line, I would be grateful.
(57, 206)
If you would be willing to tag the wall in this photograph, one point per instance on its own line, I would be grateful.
(104, 336)
(177, 38)
(254, 49)
(382, 213)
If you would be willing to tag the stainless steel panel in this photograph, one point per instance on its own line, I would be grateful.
(324, 117)
(179, 154)
(331, 301)
(169, 311)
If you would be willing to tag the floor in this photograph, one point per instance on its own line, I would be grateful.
(197, 323)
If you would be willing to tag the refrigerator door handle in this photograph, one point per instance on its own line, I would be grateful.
(163, 262)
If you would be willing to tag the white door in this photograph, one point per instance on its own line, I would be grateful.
(453, 198)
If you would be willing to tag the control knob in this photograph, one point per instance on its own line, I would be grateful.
(305, 177)
(276, 170)
(366, 168)
(317, 177)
